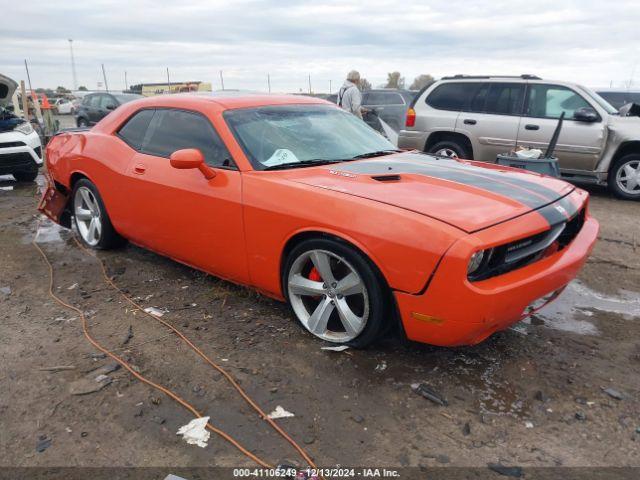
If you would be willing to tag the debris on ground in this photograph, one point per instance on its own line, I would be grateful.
(72, 287)
(430, 394)
(466, 429)
(541, 396)
(515, 472)
(158, 419)
(357, 418)
(528, 424)
(128, 336)
(381, 367)
(195, 432)
(279, 412)
(57, 368)
(94, 381)
(43, 443)
(156, 312)
(339, 348)
(5, 290)
(613, 393)
(580, 416)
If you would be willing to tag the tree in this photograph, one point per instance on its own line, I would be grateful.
(82, 88)
(365, 84)
(62, 90)
(422, 81)
(395, 80)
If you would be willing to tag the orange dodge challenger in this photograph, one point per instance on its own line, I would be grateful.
(296, 198)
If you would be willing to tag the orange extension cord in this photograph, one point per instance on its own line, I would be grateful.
(164, 390)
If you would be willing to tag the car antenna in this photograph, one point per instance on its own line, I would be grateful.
(554, 138)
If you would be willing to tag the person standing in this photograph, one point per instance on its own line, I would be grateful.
(349, 96)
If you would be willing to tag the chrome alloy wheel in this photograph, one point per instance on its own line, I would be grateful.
(628, 177)
(446, 152)
(87, 213)
(328, 296)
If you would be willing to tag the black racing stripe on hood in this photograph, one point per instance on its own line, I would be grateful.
(559, 212)
(524, 191)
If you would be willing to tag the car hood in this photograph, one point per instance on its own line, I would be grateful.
(468, 195)
(7, 87)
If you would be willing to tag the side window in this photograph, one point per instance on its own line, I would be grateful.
(504, 98)
(177, 129)
(549, 101)
(107, 101)
(133, 132)
(392, 98)
(91, 100)
(451, 96)
(374, 98)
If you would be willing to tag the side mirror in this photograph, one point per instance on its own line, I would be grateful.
(585, 114)
(191, 158)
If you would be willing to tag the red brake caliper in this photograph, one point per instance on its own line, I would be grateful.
(315, 275)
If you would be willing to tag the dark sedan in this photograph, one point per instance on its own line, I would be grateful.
(96, 106)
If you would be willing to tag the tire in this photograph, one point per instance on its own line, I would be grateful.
(619, 183)
(28, 176)
(450, 148)
(82, 122)
(354, 314)
(88, 209)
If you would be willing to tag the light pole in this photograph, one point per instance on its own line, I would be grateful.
(73, 66)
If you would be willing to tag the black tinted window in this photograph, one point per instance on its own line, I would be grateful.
(134, 130)
(505, 98)
(383, 98)
(452, 96)
(107, 101)
(177, 129)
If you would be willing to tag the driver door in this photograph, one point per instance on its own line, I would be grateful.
(580, 144)
(180, 213)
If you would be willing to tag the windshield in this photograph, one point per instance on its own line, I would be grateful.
(600, 101)
(302, 134)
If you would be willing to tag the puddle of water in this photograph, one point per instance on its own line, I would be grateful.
(49, 232)
(571, 311)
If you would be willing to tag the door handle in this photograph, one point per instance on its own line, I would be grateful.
(532, 127)
(139, 169)
(469, 121)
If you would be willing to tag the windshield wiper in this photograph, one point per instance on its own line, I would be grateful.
(379, 153)
(303, 163)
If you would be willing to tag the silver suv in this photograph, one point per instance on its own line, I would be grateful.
(480, 117)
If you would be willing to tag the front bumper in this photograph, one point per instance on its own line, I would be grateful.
(452, 313)
(19, 152)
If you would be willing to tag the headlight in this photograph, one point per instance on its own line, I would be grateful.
(25, 128)
(475, 262)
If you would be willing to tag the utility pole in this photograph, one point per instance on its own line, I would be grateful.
(126, 84)
(330, 88)
(168, 81)
(28, 76)
(269, 82)
(104, 75)
(221, 80)
(73, 65)
(309, 83)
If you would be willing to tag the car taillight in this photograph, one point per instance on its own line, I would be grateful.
(411, 118)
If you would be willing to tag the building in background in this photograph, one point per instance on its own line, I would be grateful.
(151, 89)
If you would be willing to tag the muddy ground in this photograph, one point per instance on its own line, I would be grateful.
(530, 396)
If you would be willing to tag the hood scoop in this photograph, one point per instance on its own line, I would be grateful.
(387, 178)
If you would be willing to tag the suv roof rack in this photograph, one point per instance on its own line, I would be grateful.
(525, 76)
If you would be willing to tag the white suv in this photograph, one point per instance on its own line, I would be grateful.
(20, 147)
(480, 117)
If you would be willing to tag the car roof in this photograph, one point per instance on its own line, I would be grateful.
(228, 100)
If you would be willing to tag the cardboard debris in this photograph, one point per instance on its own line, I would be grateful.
(195, 432)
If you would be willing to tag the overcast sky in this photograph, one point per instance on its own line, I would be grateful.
(592, 42)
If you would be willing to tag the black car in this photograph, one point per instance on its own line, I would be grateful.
(390, 105)
(96, 106)
(620, 98)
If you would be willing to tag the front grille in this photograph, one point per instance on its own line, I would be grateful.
(12, 144)
(21, 159)
(525, 251)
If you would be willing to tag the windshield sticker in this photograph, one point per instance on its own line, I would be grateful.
(280, 156)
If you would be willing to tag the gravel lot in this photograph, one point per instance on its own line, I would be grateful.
(531, 396)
